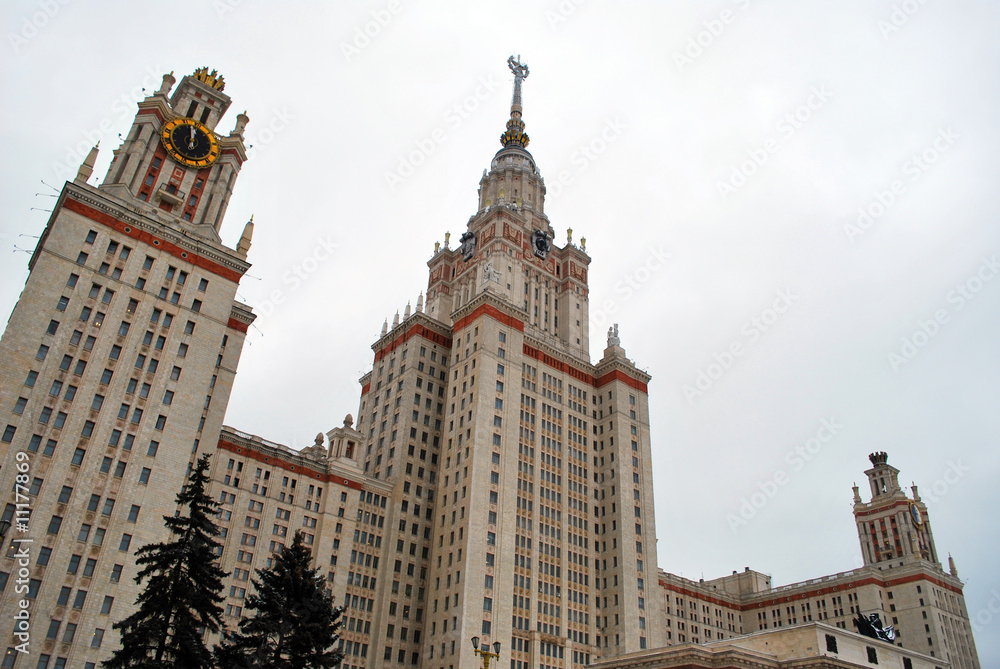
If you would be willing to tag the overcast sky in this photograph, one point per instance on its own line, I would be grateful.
(807, 186)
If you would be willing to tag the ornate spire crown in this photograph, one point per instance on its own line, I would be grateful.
(515, 134)
(213, 78)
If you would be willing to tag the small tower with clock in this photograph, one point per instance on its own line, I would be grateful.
(117, 363)
(893, 529)
(173, 158)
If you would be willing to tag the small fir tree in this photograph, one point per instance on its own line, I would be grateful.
(183, 585)
(295, 623)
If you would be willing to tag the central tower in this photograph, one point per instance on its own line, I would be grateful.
(508, 249)
(521, 472)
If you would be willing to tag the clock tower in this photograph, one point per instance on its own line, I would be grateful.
(116, 367)
(173, 158)
(893, 529)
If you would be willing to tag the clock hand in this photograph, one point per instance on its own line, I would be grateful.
(192, 141)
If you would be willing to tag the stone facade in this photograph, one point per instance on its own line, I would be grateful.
(497, 482)
(117, 365)
(907, 587)
(804, 645)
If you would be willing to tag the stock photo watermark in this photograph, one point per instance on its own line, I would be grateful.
(796, 458)
(929, 328)
(984, 617)
(751, 331)
(628, 285)
(259, 139)
(913, 168)
(293, 278)
(786, 127)
(452, 119)
(562, 12)
(122, 108)
(899, 16)
(704, 39)
(33, 23)
(364, 34)
(585, 155)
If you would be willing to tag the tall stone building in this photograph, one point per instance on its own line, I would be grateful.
(496, 484)
(116, 367)
(901, 580)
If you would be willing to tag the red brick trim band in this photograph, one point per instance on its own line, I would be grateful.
(147, 238)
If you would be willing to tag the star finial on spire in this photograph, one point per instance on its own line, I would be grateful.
(515, 126)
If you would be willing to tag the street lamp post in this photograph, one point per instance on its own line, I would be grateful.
(485, 652)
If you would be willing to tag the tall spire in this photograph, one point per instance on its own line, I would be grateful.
(515, 134)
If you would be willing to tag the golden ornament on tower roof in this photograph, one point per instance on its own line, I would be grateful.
(213, 78)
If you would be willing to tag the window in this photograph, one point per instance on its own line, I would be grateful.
(97, 403)
(182, 351)
(53, 327)
(8, 434)
(144, 476)
(203, 285)
(43, 556)
(125, 542)
(133, 513)
(82, 258)
(109, 507)
(175, 373)
(30, 380)
(80, 600)
(65, 494)
(161, 422)
(97, 639)
(43, 351)
(116, 573)
(196, 306)
(78, 456)
(116, 351)
(54, 524)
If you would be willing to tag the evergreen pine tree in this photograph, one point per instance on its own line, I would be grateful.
(182, 593)
(295, 624)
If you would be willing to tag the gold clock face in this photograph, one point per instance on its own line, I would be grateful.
(189, 142)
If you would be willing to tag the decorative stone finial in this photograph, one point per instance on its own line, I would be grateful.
(583, 244)
(348, 420)
(406, 312)
(916, 495)
(241, 124)
(569, 236)
(87, 168)
(168, 82)
(857, 495)
(613, 339)
(243, 247)
(395, 319)
(319, 440)
(437, 247)
(420, 303)
(447, 238)
(385, 327)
